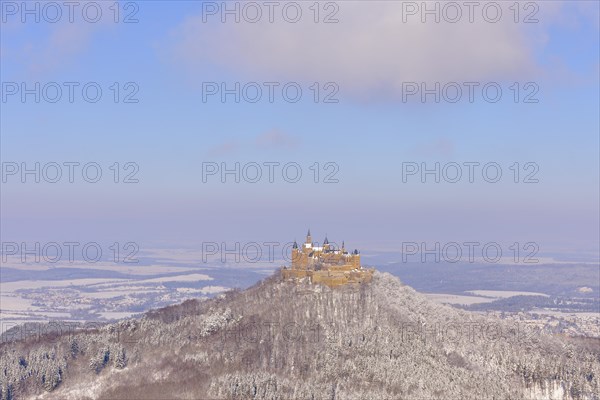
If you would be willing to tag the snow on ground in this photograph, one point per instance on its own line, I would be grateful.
(458, 299)
(504, 294)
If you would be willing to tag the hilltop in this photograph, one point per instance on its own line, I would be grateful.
(282, 340)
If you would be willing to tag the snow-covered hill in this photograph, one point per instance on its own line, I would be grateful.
(279, 340)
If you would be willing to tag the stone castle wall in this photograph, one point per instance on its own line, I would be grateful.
(326, 266)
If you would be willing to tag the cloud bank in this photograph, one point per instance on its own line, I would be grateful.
(371, 51)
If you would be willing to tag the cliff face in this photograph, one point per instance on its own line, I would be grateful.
(279, 340)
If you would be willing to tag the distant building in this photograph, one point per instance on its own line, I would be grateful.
(326, 264)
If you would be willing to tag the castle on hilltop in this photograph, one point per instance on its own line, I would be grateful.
(326, 264)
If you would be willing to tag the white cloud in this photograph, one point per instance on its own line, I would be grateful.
(65, 42)
(370, 52)
(42, 48)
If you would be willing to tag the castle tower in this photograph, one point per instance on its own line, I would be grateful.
(296, 256)
(355, 260)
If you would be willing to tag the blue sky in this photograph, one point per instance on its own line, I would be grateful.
(170, 132)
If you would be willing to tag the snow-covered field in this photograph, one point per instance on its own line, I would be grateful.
(504, 294)
(101, 291)
(44, 294)
(478, 296)
(458, 299)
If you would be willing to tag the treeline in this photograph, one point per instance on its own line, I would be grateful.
(529, 303)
